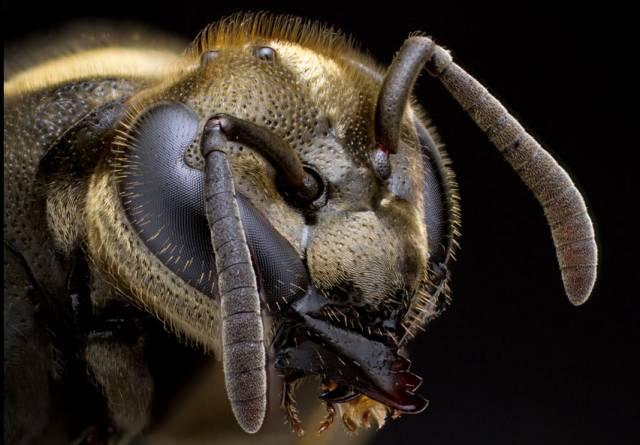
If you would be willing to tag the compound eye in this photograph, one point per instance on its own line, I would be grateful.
(311, 195)
(266, 53)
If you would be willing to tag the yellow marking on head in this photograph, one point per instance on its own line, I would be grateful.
(102, 62)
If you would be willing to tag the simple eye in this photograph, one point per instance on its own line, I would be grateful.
(265, 53)
(312, 195)
(208, 57)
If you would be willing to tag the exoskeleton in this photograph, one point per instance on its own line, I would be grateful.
(271, 197)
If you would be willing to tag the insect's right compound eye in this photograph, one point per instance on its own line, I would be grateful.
(313, 193)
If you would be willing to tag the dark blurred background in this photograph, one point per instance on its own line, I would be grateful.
(511, 361)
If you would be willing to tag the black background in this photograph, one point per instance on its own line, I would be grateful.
(511, 361)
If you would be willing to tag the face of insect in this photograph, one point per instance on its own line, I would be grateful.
(361, 241)
(343, 218)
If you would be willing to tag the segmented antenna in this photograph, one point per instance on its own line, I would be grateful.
(563, 205)
(244, 359)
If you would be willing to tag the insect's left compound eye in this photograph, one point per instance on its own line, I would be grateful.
(312, 195)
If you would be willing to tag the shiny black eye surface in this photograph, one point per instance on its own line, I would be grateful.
(313, 193)
(266, 53)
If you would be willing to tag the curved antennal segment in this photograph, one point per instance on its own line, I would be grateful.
(394, 95)
(300, 185)
(244, 359)
(392, 101)
(563, 205)
(267, 143)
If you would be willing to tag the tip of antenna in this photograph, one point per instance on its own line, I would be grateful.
(579, 283)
